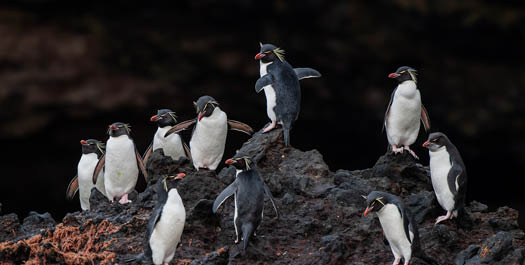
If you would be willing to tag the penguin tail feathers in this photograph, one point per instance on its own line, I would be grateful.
(463, 219)
(427, 259)
(138, 258)
(247, 232)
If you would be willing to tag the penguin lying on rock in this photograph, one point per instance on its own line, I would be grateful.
(92, 150)
(399, 227)
(209, 135)
(165, 224)
(281, 87)
(448, 174)
(248, 189)
(404, 112)
(120, 163)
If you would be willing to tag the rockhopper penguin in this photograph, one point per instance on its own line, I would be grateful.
(399, 227)
(120, 163)
(92, 150)
(209, 134)
(172, 146)
(248, 189)
(448, 174)
(404, 112)
(281, 87)
(165, 224)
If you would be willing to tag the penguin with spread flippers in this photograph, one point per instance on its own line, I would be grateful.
(121, 163)
(248, 189)
(165, 224)
(404, 112)
(92, 150)
(280, 83)
(399, 227)
(209, 134)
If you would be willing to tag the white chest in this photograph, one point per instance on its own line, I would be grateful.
(269, 92)
(171, 145)
(439, 168)
(208, 140)
(121, 169)
(392, 225)
(85, 169)
(403, 121)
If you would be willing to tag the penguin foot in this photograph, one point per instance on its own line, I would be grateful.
(124, 199)
(396, 261)
(410, 151)
(443, 218)
(270, 127)
(397, 150)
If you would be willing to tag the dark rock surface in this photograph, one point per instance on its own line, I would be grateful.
(321, 218)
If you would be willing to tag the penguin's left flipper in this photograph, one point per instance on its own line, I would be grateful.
(303, 73)
(141, 164)
(388, 110)
(239, 126)
(404, 216)
(146, 155)
(269, 194)
(229, 191)
(180, 127)
(424, 118)
(457, 180)
(98, 168)
(72, 188)
(187, 151)
(263, 81)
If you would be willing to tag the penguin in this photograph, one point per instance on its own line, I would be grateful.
(404, 112)
(248, 189)
(92, 150)
(399, 227)
(209, 134)
(281, 87)
(120, 162)
(166, 223)
(448, 174)
(172, 146)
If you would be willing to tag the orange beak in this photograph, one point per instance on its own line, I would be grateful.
(154, 118)
(230, 161)
(83, 142)
(180, 176)
(425, 144)
(201, 115)
(259, 56)
(393, 75)
(367, 211)
(113, 127)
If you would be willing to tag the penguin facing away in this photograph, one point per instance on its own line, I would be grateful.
(120, 162)
(404, 112)
(248, 189)
(92, 150)
(208, 138)
(165, 224)
(281, 87)
(172, 146)
(399, 227)
(448, 174)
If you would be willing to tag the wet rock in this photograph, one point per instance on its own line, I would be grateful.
(495, 247)
(9, 227)
(475, 206)
(421, 204)
(36, 222)
(287, 199)
(466, 254)
(445, 236)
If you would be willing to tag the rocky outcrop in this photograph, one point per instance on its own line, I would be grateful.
(321, 218)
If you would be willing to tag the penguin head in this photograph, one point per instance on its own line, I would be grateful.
(164, 117)
(205, 106)
(118, 128)
(241, 163)
(435, 141)
(375, 201)
(403, 74)
(92, 146)
(269, 53)
(170, 182)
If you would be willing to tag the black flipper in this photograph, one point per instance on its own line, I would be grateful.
(229, 191)
(141, 165)
(146, 155)
(180, 127)
(269, 194)
(98, 168)
(303, 73)
(263, 81)
(154, 219)
(239, 126)
(187, 150)
(425, 119)
(388, 110)
(405, 223)
(72, 188)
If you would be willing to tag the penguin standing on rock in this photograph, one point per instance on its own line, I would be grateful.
(281, 86)
(399, 227)
(209, 135)
(448, 174)
(165, 224)
(404, 112)
(120, 163)
(172, 146)
(92, 150)
(248, 189)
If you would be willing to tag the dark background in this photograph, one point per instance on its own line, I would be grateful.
(68, 71)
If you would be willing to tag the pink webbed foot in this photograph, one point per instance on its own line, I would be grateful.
(124, 199)
(397, 150)
(443, 218)
(411, 152)
(396, 261)
(270, 127)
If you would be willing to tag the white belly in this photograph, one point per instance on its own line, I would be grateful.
(392, 225)
(439, 168)
(208, 140)
(269, 92)
(85, 169)
(171, 145)
(168, 230)
(121, 169)
(402, 125)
